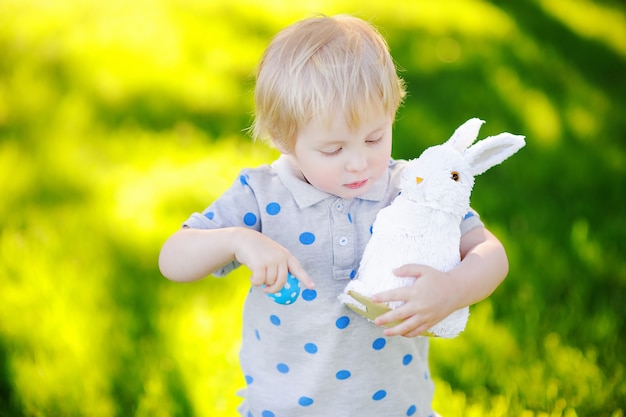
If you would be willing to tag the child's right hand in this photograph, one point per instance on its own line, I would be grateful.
(269, 262)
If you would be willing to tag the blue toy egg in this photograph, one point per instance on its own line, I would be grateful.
(289, 293)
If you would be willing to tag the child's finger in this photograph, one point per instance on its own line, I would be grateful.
(296, 270)
(397, 294)
(274, 280)
(391, 318)
(407, 328)
(257, 278)
(276, 286)
(409, 270)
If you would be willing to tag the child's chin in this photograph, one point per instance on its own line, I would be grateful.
(353, 193)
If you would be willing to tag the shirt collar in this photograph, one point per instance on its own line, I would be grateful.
(307, 195)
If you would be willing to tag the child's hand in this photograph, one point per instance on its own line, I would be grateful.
(269, 262)
(428, 301)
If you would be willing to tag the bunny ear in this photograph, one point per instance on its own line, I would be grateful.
(465, 134)
(492, 151)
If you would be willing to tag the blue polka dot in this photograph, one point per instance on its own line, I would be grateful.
(350, 217)
(407, 359)
(342, 322)
(267, 413)
(425, 375)
(379, 395)
(412, 409)
(379, 343)
(371, 229)
(282, 368)
(210, 215)
(249, 219)
(311, 348)
(343, 374)
(307, 238)
(257, 334)
(352, 274)
(468, 215)
(309, 295)
(272, 209)
(250, 414)
(249, 379)
(243, 179)
(305, 401)
(275, 320)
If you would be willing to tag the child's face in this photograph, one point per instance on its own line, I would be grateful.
(340, 161)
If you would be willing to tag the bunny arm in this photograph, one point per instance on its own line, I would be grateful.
(373, 310)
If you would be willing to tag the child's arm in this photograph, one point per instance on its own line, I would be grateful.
(435, 294)
(192, 254)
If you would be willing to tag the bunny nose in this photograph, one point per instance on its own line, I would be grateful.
(418, 180)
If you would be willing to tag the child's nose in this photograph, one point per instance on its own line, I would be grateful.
(356, 162)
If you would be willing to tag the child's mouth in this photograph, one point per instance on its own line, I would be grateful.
(356, 185)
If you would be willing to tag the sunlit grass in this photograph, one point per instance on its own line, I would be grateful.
(52, 316)
(582, 17)
(202, 326)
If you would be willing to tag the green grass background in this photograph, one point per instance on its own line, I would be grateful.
(120, 118)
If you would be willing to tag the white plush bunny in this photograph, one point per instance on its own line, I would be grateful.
(421, 226)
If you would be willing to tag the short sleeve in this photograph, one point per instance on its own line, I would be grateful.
(237, 207)
(470, 221)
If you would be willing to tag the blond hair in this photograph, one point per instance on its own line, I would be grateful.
(319, 66)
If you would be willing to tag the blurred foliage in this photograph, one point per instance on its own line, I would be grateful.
(118, 119)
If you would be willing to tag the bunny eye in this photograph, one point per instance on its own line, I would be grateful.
(455, 176)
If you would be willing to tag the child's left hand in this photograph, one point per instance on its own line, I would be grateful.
(428, 300)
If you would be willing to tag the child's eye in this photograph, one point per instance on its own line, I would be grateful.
(374, 141)
(331, 152)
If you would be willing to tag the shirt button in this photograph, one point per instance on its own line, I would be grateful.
(340, 207)
(343, 241)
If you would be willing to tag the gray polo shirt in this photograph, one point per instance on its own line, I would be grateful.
(315, 357)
